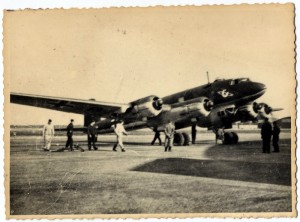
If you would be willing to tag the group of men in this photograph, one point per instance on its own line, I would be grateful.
(48, 134)
(169, 132)
(267, 132)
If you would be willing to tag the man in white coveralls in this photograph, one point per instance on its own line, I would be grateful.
(48, 133)
(119, 131)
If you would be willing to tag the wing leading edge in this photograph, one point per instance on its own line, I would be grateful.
(78, 106)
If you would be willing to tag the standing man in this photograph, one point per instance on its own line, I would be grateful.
(92, 133)
(169, 132)
(48, 133)
(156, 136)
(70, 140)
(219, 134)
(119, 131)
(266, 134)
(276, 132)
(194, 132)
(70, 135)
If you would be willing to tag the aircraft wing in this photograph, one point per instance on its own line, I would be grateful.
(78, 106)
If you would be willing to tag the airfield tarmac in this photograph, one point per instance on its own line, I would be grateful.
(200, 178)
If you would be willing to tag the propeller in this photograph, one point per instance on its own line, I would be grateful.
(209, 105)
(260, 107)
(157, 103)
(257, 107)
(265, 110)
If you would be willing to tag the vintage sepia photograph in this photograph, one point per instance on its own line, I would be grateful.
(150, 112)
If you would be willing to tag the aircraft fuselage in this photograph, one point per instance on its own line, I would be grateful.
(225, 94)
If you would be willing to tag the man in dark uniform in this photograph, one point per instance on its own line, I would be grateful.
(266, 134)
(194, 132)
(276, 132)
(70, 135)
(92, 133)
(69, 142)
(156, 136)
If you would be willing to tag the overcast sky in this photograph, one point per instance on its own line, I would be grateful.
(118, 55)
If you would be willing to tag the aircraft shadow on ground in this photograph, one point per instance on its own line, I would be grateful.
(224, 164)
(278, 173)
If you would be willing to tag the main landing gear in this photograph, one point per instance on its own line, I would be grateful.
(181, 139)
(230, 138)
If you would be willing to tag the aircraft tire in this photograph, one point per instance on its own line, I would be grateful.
(178, 139)
(231, 136)
(186, 139)
(235, 138)
(226, 139)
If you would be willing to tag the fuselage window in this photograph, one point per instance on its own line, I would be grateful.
(234, 82)
(244, 80)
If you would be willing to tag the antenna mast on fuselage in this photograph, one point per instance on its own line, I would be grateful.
(207, 77)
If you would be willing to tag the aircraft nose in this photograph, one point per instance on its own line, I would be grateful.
(261, 86)
(258, 88)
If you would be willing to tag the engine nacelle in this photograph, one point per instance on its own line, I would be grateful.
(192, 109)
(248, 112)
(255, 110)
(105, 124)
(200, 109)
(218, 117)
(149, 106)
(185, 112)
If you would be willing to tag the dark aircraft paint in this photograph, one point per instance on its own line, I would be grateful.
(189, 107)
(241, 91)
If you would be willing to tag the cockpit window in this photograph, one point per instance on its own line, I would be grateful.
(244, 80)
(234, 82)
(237, 81)
(217, 80)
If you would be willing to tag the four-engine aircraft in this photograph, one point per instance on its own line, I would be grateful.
(214, 105)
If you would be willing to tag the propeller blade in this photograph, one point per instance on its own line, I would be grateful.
(276, 109)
